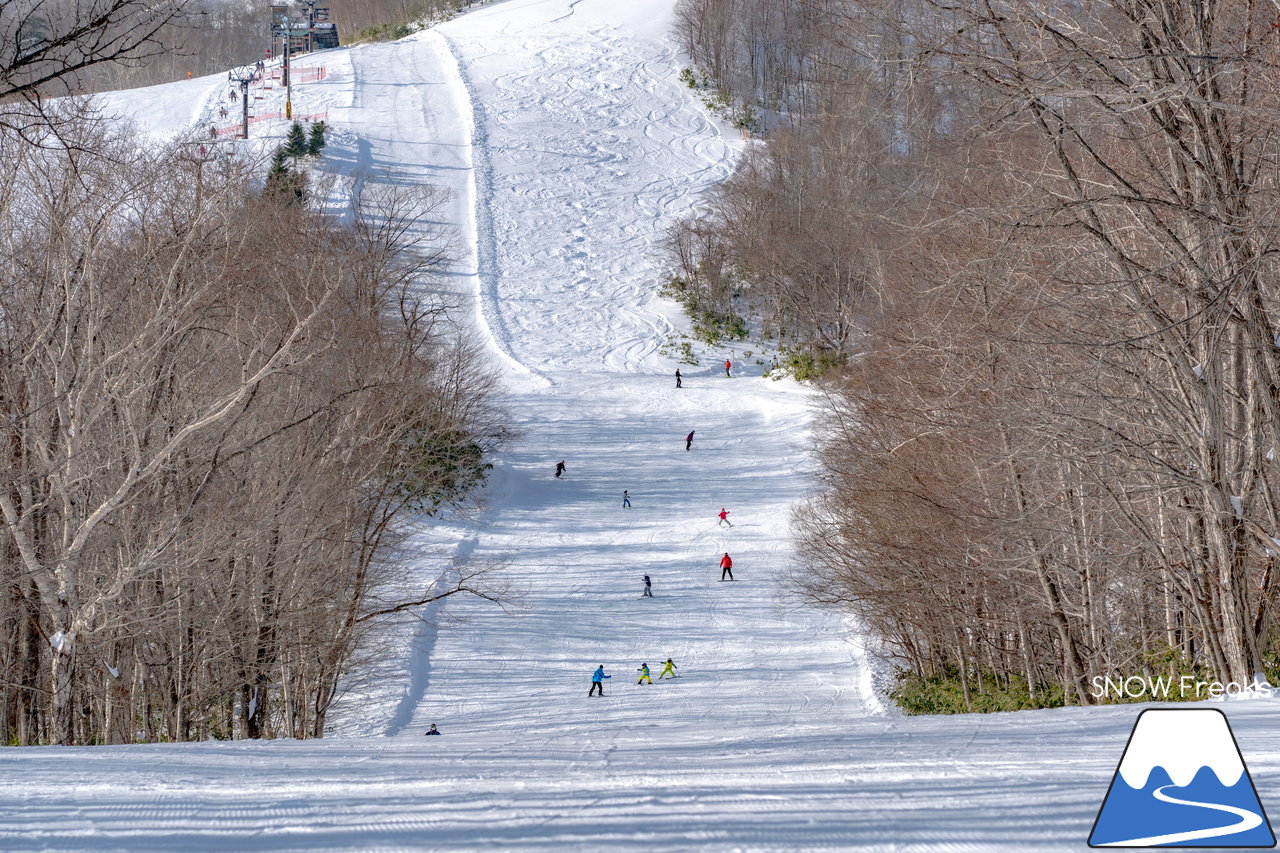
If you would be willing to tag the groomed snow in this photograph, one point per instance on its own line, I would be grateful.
(567, 143)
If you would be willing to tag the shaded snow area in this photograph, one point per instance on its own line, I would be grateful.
(566, 144)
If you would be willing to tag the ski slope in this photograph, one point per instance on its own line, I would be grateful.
(565, 144)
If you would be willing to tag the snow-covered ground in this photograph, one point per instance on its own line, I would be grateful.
(566, 143)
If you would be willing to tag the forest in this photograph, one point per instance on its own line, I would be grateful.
(1028, 250)
(181, 38)
(221, 411)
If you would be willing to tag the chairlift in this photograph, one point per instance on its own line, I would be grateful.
(206, 151)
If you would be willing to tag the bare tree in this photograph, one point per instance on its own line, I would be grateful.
(45, 44)
(220, 412)
(1053, 452)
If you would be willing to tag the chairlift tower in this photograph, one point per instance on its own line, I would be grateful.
(244, 79)
(284, 31)
(311, 23)
(312, 29)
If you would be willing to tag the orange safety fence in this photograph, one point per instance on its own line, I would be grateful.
(230, 129)
(303, 75)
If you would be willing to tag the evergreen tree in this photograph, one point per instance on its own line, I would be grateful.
(295, 144)
(279, 170)
(316, 142)
(285, 184)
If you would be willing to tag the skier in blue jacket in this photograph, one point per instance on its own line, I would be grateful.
(597, 681)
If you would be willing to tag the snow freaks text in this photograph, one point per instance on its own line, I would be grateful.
(1185, 688)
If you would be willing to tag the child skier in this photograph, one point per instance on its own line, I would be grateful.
(724, 517)
(648, 591)
(626, 500)
(667, 669)
(644, 674)
(727, 364)
(597, 680)
(726, 567)
(678, 385)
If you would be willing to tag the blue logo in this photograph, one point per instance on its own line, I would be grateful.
(1181, 783)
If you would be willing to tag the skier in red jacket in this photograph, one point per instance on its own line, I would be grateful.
(726, 567)
(727, 364)
(724, 517)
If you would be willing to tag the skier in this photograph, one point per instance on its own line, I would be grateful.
(597, 680)
(644, 674)
(724, 518)
(726, 566)
(678, 385)
(626, 500)
(668, 669)
(688, 440)
(433, 730)
(648, 590)
(559, 468)
(727, 364)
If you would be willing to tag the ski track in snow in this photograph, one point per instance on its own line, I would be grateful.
(566, 144)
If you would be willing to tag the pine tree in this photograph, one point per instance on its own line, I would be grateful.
(295, 144)
(283, 183)
(316, 142)
(279, 171)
